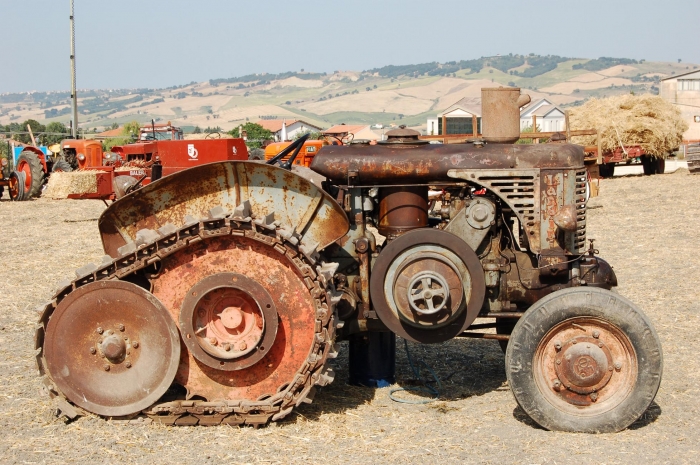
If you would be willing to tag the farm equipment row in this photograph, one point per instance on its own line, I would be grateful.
(225, 287)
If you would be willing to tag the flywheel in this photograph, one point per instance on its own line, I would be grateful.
(427, 285)
(112, 348)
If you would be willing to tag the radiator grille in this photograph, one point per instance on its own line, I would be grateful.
(580, 201)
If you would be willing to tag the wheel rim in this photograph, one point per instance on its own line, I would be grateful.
(23, 167)
(585, 362)
(16, 186)
(112, 348)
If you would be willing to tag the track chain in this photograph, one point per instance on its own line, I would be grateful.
(152, 246)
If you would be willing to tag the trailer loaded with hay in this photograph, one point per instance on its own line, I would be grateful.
(629, 127)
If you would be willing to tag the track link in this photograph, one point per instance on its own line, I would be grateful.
(149, 248)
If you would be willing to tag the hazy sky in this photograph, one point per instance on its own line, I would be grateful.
(158, 43)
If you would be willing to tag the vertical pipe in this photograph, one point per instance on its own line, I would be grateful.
(74, 95)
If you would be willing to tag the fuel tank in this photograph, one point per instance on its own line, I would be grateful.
(406, 164)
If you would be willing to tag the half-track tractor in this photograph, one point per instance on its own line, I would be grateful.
(225, 287)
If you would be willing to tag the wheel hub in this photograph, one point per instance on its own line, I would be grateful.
(113, 348)
(584, 365)
(228, 321)
(428, 293)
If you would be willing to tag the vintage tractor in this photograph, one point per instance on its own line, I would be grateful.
(225, 287)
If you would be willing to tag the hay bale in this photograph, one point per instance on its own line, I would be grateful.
(61, 184)
(645, 120)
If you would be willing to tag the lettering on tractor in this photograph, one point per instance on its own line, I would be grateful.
(225, 287)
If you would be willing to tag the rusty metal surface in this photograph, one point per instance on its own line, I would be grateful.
(282, 356)
(500, 113)
(284, 394)
(452, 248)
(402, 209)
(228, 321)
(397, 165)
(585, 362)
(284, 200)
(112, 348)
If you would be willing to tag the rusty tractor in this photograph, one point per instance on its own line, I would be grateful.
(225, 287)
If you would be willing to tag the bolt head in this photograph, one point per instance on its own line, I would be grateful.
(242, 346)
(557, 345)
(558, 362)
(135, 344)
(93, 351)
(227, 347)
(106, 367)
(618, 366)
(574, 341)
(100, 330)
(596, 334)
(212, 340)
(121, 327)
(594, 396)
(556, 385)
(128, 364)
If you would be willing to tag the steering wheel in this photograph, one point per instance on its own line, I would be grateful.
(211, 135)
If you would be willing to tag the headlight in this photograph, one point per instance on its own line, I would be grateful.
(81, 157)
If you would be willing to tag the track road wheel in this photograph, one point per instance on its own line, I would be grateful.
(29, 164)
(250, 315)
(584, 360)
(111, 348)
(16, 186)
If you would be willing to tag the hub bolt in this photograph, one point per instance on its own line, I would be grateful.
(227, 347)
(557, 385)
(135, 344)
(618, 366)
(128, 364)
(243, 346)
(93, 351)
(121, 327)
(212, 340)
(558, 362)
(596, 334)
(100, 330)
(557, 345)
(594, 396)
(106, 367)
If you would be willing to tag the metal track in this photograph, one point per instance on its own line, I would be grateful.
(153, 246)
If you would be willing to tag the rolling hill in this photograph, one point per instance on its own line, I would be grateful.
(389, 95)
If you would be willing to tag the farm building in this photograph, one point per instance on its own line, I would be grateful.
(683, 91)
(461, 118)
(544, 115)
(359, 132)
(293, 128)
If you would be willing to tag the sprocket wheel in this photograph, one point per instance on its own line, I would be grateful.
(247, 316)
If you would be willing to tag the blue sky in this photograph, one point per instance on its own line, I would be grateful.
(158, 43)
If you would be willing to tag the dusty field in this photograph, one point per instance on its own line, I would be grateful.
(648, 227)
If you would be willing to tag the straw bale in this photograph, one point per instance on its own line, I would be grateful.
(62, 184)
(645, 120)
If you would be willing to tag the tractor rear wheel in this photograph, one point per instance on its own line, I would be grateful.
(29, 164)
(584, 360)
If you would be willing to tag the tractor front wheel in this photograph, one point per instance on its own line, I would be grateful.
(584, 360)
(16, 186)
(29, 164)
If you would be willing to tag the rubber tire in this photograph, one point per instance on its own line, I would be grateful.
(19, 177)
(36, 170)
(606, 170)
(61, 166)
(648, 165)
(578, 302)
(660, 165)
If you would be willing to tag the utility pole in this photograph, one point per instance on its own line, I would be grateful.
(74, 94)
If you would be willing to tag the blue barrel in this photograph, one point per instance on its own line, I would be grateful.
(372, 358)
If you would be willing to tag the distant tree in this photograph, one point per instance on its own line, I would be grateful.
(132, 127)
(36, 126)
(57, 132)
(114, 125)
(255, 134)
(511, 83)
(375, 86)
(313, 135)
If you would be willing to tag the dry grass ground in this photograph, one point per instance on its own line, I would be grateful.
(647, 227)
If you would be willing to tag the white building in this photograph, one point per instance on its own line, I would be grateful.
(544, 116)
(461, 118)
(683, 91)
(293, 128)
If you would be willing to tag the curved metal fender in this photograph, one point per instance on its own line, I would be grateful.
(268, 195)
